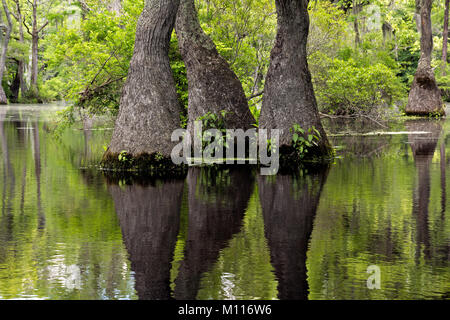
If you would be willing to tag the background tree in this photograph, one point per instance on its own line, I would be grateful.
(425, 96)
(7, 28)
(445, 39)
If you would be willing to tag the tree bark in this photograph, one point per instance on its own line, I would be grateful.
(425, 96)
(149, 109)
(445, 39)
(21, 65)
(34, 52)
(213, 86)
(5, 43)
(288, 94)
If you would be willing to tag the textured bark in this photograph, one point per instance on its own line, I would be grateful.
(423, 148)
(22, 64)
(7, 29)
(149, 217)
(289, 95)
(289, 210)
(213, 86)
(445, 38)
(425, 97)
(215, 215)
(149, 108)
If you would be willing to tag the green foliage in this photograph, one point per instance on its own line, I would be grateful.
(352, 87)
(304, 140)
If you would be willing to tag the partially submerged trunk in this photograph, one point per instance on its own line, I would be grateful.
(213, 86)
(149, 108)
(7, 28)
(289, 95)
(425, 97)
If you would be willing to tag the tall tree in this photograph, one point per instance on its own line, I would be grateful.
(7, 28)
(149, 109)
(445, 39)
(288, 94)
(21, 64)
(213, 86)
(35, 33)
(425, 96)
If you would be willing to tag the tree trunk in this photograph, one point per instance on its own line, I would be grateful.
(34, 52)
(8, 29)
(213, 86)
(288, 94)
(425, 96)
(445, 39)
(149, 109)
(22, 65)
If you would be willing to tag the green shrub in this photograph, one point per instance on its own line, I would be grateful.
(348, 87)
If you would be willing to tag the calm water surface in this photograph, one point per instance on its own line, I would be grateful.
(68, 233)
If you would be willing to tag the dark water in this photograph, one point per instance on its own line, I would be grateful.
(65, 233)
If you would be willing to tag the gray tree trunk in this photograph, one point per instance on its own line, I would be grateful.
(22, 64)
(213, 86)
(149, 108)
(288, 94)
(5, 43)
(425, 97)
(445, 39)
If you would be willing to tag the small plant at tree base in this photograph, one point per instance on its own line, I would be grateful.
(213, 121)
(303, 141)
(123, 157)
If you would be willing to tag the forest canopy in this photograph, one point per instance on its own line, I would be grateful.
(362, 54)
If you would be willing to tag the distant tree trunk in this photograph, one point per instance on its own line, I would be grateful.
(7, 28)
(288, 94)
(425, 96)
(213, 86)
(356, 23)
(149, 108)
(21, 64)
(445, 39)
(35, 34)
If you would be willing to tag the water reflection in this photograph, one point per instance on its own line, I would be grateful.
(289, 207)
(423, 147)
(67, 233)
(217, 203)
(149, 217)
